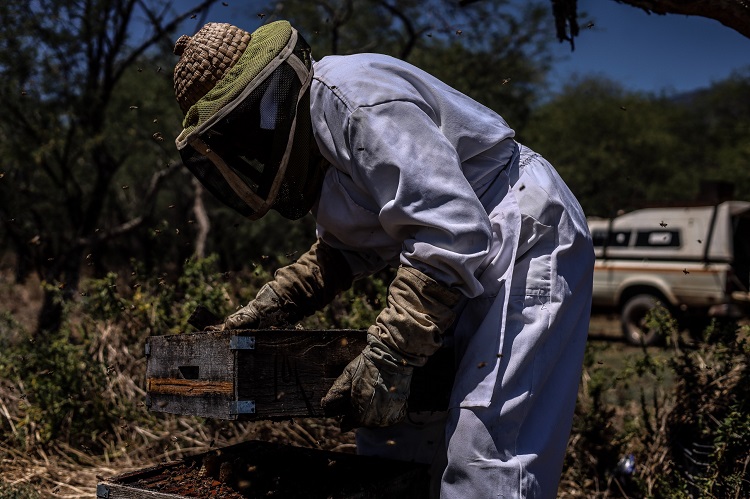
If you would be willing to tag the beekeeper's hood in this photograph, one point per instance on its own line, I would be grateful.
(247, 132)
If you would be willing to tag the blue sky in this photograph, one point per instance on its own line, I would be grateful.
(651, 53)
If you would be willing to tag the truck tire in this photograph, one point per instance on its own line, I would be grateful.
(633, 318)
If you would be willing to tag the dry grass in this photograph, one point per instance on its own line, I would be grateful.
(67, 472)
(60, 469)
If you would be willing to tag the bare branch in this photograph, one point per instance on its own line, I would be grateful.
(159, 32)
(408, 25)
(130, 225)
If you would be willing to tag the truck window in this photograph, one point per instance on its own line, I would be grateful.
(658, 238)
(616, 238)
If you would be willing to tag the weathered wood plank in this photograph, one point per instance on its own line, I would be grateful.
(289, 372)
(204, 356)
(189, 387)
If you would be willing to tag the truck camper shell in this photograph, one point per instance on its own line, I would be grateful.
(695, 260)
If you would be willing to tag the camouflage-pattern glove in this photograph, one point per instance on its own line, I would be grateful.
(296, 291)
(263, 311)
(374, 388)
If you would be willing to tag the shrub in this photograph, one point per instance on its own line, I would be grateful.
(634, 438)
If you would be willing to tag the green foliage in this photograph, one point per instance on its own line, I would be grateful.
(60, 382)
(683, 415)
(356, 308)
(596, 446)
(619, 149)
(709, 427)
(80, 382)
(155, 303)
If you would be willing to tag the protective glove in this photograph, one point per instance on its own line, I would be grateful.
(296, 291)
(374, 387)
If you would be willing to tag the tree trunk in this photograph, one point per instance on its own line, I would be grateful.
(201, 219)
(62, 283)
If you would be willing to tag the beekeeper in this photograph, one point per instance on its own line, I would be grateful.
(492, 250)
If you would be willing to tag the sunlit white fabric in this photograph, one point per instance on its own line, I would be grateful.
(424, 176)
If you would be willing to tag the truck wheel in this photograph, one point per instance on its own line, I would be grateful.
(633, 319)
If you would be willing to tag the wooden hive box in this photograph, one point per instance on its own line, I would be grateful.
(257, 469)
(267, 374)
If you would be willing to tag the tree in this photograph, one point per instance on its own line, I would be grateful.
(67, 133)
(494, 51)
(618, 150)
(621, 150)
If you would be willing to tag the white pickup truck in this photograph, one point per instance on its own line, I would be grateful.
(693, 260)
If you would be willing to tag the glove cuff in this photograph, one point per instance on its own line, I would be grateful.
(419, 311)
(310, 283)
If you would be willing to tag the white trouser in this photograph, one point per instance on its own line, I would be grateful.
(511, 443)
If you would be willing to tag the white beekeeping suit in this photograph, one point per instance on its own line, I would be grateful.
(425, 177)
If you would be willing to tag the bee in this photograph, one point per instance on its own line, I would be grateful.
(662, 224)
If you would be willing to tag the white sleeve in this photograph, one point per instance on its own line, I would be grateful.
(413, 174)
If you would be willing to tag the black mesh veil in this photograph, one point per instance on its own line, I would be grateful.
(258, 155)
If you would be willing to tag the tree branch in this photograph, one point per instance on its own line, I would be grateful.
(159, 32)
(734, 14)
(130, 225)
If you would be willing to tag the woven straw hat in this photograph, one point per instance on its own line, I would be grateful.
(204, 59)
